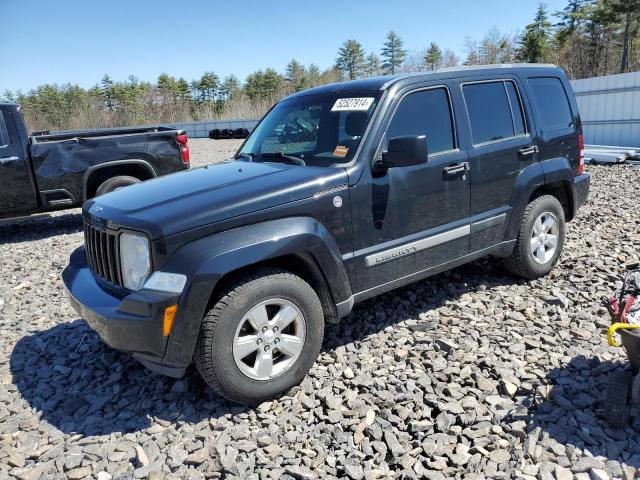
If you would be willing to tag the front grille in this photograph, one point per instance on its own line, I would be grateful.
(102, 253)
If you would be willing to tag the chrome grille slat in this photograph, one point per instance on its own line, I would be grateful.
(101, 248)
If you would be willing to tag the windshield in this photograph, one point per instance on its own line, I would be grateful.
(323, 129)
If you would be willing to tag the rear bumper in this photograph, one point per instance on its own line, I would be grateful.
(581, 185)
(131, 323)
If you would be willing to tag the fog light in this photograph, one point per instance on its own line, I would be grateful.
(166, 282)
(169, 315)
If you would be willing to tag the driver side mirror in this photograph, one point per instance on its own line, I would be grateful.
(405, 151)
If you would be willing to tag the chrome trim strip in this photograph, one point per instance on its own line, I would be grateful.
(9, 159)
(414, 247)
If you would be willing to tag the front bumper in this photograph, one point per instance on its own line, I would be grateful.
(131, 322)
(581, 189)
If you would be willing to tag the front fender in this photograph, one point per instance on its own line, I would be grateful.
(206, 260)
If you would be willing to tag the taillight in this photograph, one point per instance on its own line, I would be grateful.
(581, 154)
(182, 139)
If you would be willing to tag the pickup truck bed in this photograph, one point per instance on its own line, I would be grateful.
(62, 170)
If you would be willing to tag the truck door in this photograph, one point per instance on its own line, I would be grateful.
(408, 220)
(17, 195)
(502, 145)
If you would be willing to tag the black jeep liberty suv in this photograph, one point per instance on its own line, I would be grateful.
(340, 193)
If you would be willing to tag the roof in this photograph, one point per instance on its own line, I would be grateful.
(384, 82)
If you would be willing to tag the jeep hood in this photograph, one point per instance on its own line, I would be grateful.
(202, 196)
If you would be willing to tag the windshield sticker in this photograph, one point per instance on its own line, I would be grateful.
(352, 104)
(340, 151)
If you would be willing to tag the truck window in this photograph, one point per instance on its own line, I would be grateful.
(426, 112)
(552, 102)
(4, 135)
(489, 112)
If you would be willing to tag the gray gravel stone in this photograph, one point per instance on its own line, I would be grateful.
(469, 374)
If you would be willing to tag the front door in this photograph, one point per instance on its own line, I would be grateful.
(17, 196)
(409, 219)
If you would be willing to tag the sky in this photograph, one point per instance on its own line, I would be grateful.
(78, 41)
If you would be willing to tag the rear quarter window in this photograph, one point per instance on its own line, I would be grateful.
(4, 134)
(552, 103)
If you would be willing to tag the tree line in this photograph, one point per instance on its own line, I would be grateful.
(587, 38)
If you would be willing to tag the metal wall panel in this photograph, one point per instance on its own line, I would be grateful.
(610, 109)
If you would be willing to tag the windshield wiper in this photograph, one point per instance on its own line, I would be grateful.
(295, 159)
(247, 156)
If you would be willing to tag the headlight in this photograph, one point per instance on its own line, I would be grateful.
(135, 259)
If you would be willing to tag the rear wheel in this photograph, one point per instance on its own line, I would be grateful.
(540, 239)
(115, 183)
(261, 337)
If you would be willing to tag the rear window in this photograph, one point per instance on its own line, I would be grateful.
(425, 112)
(552, 102)
(4, 135)
(495, 111)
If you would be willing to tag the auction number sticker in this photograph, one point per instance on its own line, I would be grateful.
(352, 104)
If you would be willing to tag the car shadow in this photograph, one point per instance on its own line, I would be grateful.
(569, 407)
(38, 227)
(80, 385)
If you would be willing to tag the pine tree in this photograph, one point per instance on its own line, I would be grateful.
(351, 59)
(373, 67)
(433, 57)
(392, 53)
(629, 11)
(107, 91)
(296, 75)
(534, 43)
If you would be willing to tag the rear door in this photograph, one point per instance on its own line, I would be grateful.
(501, 147)
(17, 196)
(558, 124)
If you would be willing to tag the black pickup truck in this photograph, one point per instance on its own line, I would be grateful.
(47, 172)
(340, 193)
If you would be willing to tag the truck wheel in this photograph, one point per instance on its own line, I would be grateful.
(539, 240)
(261, 337)
(115, 183)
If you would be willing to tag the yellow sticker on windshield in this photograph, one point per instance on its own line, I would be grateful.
(341, 151)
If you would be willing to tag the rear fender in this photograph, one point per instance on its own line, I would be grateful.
(531, 178)
(206, 260)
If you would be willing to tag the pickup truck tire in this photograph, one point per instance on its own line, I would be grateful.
(540, 239)
(239, 335)
(116, 183)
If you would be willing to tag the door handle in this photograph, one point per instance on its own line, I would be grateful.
(456, 168)
(526, 151)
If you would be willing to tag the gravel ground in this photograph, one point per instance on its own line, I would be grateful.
(470, 374)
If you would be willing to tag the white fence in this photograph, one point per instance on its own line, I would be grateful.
(610, 109)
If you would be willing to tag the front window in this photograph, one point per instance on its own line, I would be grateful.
(320, 130)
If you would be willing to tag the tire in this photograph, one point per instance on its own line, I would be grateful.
(115, 183)
(523, 262)
(227, 322)
(616, 399)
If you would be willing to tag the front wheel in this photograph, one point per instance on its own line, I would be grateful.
(540, 238)
(261, 337)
